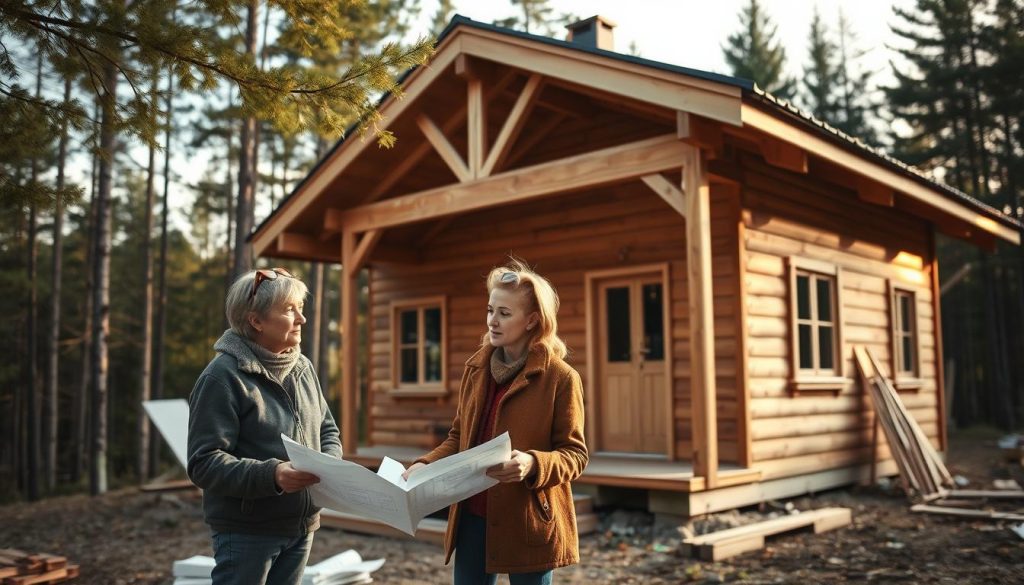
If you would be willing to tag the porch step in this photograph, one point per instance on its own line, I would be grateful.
(733, 541)
(433, 529)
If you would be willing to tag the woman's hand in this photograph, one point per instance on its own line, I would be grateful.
(411, 469)
(519, 467)
(292, 480)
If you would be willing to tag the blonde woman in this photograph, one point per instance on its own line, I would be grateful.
(257, 387)
(518, 382)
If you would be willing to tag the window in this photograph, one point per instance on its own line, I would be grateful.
(815, 325)
(905, 355)
(419, 348)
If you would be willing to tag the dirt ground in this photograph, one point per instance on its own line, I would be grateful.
(130, 537)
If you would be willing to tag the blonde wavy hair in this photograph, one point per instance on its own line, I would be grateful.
(541, 297)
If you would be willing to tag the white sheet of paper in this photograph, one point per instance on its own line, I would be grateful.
(384, 496)
(171, 419)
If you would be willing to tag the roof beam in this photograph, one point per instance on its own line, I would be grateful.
(857, 163)
(449, 155)
(667, 191)
(573, 173)
(700, 132)
(513, 126)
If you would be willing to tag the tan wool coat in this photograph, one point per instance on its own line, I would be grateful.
(531, 525)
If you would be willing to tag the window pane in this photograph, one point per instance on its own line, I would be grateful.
(803, 297)
(806, 360)
(654, 330)
(824, 287)
(432, 362)
(617, 306)
(432, 325)
(825, 345)
(410, 327)
(409, 366)
(908, 354)
(905, 313)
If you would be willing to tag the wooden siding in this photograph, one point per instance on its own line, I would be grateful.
(564, 237)
(875, 248)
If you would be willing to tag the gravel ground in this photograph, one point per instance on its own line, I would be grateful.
(129, 537)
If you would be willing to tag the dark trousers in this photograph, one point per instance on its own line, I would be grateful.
(471, 554)
(250, 559)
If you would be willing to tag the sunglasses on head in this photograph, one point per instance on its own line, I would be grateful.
(509, 277)
(266, 274)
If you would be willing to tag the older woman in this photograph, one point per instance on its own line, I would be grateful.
(518, 382)
(257, 387)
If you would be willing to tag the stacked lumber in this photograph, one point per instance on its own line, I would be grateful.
(22, 568)
(922, 471)
(723, 544)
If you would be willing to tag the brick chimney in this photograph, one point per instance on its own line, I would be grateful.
(594, 33)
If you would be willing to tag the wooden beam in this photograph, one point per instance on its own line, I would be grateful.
(349, 343)
(292, 245)
(702, 319)
(365, 248)
(591, 169)
(667, 191)
(423, 148)
(875, 192)
(860, 164)
(444, 148)
(700, 132)
(783, 155)
(513, 125)
(476, 126)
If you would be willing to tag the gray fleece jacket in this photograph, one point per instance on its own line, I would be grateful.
(237, 413)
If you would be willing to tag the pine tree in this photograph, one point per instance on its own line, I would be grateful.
(537, 17)
(821, 75)
(754, 53)
(856, 106)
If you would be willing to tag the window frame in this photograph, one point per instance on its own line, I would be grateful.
(815, 379)
(420, 387)
(904, 379)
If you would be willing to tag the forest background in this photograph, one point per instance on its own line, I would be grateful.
(110, 302)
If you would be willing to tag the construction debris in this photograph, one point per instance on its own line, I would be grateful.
(723, 544)
(22, 568)
(342, 569)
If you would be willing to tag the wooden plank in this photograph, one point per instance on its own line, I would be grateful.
(476, 126)
(449, 155)
(730, 542)
(362, 252)
(947, 511)
(667, 191)
(349, 344)
(556, 177)
(513, 125)
(783, 155)
(701, 305)
(700, 132)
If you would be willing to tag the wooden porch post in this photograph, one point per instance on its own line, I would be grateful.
(702, 329)
(349, 343)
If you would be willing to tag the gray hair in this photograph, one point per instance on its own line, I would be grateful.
(271, 293)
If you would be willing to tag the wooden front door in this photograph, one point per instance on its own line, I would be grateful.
(632, 379)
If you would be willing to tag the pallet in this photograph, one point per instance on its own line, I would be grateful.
(733, 541)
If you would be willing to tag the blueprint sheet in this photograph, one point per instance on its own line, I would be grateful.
(385, 496)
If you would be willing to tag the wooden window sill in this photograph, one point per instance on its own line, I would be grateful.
(418, 392)
(818, 385)
(908, 384)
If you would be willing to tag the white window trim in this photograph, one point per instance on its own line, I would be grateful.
(399, 388)
(910, 381)
(802, 380)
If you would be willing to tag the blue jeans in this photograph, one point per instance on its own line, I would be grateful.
(471, 552)
(252, 559)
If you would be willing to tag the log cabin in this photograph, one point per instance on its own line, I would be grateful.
(718, 253)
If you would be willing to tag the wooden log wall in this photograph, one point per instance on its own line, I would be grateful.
(564, 237)
(787, 214)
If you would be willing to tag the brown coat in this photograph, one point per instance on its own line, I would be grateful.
(531, 525)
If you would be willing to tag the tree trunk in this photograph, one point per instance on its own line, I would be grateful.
(245, 210)
(160, 327)
(101, 288)
(32, 385)
(146, 357)
(53, 348)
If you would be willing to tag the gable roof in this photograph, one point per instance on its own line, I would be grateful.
(778, 108)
